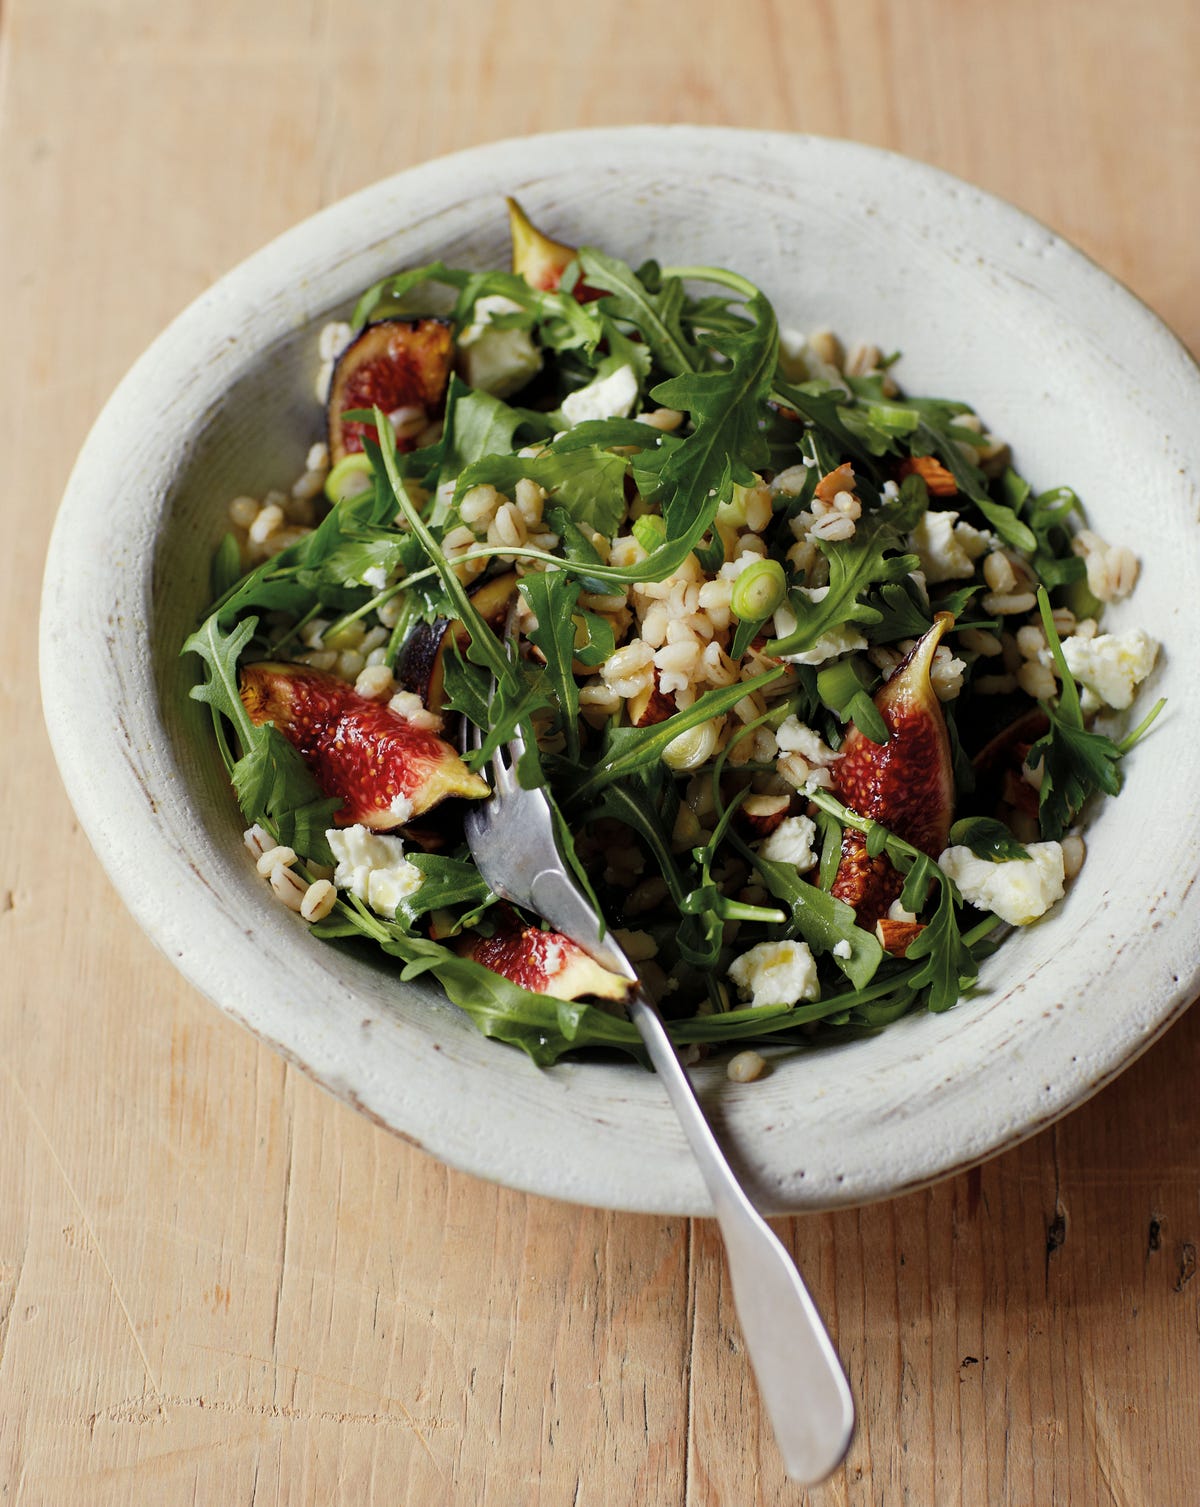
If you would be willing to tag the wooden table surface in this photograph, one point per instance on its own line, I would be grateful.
(217, 1285)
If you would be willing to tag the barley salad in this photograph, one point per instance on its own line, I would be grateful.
(815, 680)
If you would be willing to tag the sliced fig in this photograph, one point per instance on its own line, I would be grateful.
(544, 962)
(393, 364)
(421, 664)
(540, 260)
(907, 783)
(384, 769)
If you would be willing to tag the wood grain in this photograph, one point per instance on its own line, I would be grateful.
(216, 1284)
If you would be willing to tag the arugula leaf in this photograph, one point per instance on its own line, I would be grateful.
(819, 918)
(552, 599)
(479, 424)
(987, 839)
(445, 882)
(823, 405)
(655, 315)
(949, 966)
(970, 479)
(728, 408)
(628, 748)
(854, 565)
(1075, 762)
(589, 485)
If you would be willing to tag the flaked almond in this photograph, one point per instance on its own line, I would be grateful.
(895, 936)
(764, 813)
(841, 480)
(650, 705)
(932, 473)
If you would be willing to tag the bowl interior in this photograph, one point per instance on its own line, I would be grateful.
(985, 306)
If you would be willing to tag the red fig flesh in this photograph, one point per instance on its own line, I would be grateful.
(544, 962)
(384, 769)
(906, 784)
(395, 364)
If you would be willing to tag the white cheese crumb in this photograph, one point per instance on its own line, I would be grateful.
(791, 842)
(776, 973)
(842, 949)
(794, 736)
(401, 807)
(372, 866)
(844, 639)
(1018, 891)
(375, 576)
(609, 397)
(1111, 665)
(948, 549)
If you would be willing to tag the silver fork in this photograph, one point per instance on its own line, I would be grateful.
(807, 1397)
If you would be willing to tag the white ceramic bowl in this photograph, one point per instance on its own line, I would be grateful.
(986, 305)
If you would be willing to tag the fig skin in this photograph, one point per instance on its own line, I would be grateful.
(544, 962)
(420, 666)
(540, 260)
(355, 748)
(394, 363)
(906, 784)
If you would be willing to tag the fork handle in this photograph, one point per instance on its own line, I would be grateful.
(799, 1376)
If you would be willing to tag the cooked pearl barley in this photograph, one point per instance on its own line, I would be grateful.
(308, 486)
(350, 663)
(375, 683)
(1064, 621)
(654, 626)
(1074, 852)
(745, 1067)
(333, 339)
(980, 641)
(847, 503)
(289, 887)
(276, 857)
(626, 663)
(833, 527)
(998, 572)
(593, 602)
(390, 612)
(373, 638)
(756, 504)
(790, 483)
(258, 841)
(529, 499)
(508, 527)
(1031, 641)
(479, 505)
(1036, 680)
(666, 419)
(268, 521)
(1003, 604)
(319, 659)
(243, 511)
(317, 458)
(318, 901)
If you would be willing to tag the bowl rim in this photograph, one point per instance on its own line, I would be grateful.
(120, 850)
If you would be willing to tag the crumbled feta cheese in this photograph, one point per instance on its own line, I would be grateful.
(497, 361)
(794, 736)
(372, 866)
(948, 549)
(791, 842)
(401, 807)
(375, 576)
(842, 949)
(1018, 891)
(776, 973)
(1112, 664)
(608, 397)
(844, 639)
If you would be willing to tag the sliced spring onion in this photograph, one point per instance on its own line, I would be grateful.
(694, 747)
(650, 531)
(759, 589)
(843, 687)
(351, 475)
